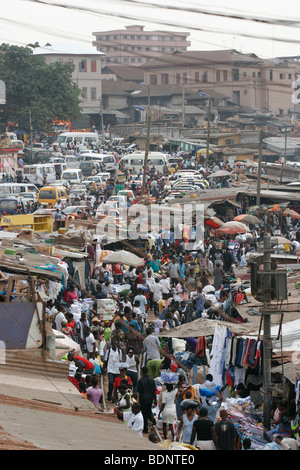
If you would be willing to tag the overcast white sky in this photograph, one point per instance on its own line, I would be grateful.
(25, 21)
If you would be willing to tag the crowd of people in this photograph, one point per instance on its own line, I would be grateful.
(119, 362)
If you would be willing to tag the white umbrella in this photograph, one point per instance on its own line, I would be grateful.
(220, 173)
(123, 257)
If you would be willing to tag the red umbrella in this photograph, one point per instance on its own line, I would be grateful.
(233, 227)
(293, 214)
(213, 222)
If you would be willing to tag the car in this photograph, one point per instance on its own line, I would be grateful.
(120, 200)
(73, 211)
(64, 183)
(126, 193)
(104, 176)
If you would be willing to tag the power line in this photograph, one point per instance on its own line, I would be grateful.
(103, 13)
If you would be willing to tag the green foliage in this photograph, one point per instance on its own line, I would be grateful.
(32, 85)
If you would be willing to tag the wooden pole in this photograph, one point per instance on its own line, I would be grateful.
(259, 169)
(147, 144)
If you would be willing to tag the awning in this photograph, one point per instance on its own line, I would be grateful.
(206, 327)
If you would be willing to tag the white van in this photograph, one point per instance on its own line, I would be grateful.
(35, 173)
(74, 176)
(84, 138)
(136, 161)
(17, 188)
(72, 161)
(106, 161)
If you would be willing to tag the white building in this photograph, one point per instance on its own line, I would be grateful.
(87, 72)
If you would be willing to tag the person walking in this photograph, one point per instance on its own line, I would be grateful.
(185, 426)
(203, 432)
(146, 389)
(167, 410)
(226, 434)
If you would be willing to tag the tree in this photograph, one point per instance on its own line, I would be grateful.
(32, 85)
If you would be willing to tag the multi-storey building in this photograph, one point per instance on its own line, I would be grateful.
(246, 79)
(87, 71)
(135, 46)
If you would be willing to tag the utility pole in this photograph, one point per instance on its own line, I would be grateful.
(147, 143)
(267, 331)
(183, 107)
(259, 168)
(285, 152)
(208, 134)
(30, 126)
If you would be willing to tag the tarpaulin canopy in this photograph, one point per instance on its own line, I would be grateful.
(206, 327)
(123, 257)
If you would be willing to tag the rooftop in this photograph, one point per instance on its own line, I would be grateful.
(67, 49)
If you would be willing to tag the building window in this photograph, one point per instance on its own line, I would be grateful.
(162, 38)
(172, 38)
(115, 49)
(147, 38)
(125, 59)
(99, 38)
(132, 48)
(271, 75)
(125, 48)
(224, 75)
(177, 78)
(93, 66)
(139, 59)
(290, 76)
(235, 75)
(259, 74)
(244, 74)
(116, 60)
(124, 36)
(154, 38)
(139, 48)
(84, 92)
(282, 76)
(107, 38)
(172, 49)
(163, 49)
(132, 36)
(93, 93)
(115, 36)
(155, 48)
(185, 79)
(253, 74)
(165, 79)
(245, 92)
(197, 77)
(204, 77)
(229, 141)
(147, 49)
(82, 66)
(153, 80)
(218, 75)
(132, 59)
(139, 37)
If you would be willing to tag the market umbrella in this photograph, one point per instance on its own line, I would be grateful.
(293, 214)
(220, 173)
(123, 257)
(233, 227)
(248, 218)
(213, 222)
(281, 240)
(203, 152)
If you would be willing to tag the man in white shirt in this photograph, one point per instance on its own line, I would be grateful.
(134, 418)
(157, 291)
(59, 318)
(90, 342)
(112, 359)
(165, 282)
